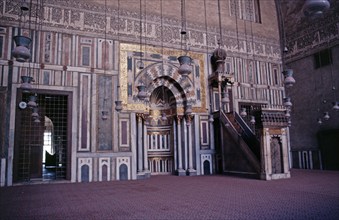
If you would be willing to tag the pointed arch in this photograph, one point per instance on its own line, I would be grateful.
(159, 74)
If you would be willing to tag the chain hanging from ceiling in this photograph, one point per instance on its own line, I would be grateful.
(185, 61)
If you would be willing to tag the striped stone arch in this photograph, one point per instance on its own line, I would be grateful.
(153, 76)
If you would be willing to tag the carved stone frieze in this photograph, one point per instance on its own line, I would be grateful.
(307, 35)
(88, 19)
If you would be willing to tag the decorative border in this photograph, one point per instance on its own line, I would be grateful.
(80, 17)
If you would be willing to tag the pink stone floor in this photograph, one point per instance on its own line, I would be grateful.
(307, 195)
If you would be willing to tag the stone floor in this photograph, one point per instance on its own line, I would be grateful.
(307, 195)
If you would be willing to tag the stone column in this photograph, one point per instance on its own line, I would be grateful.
(227, 104)
(3, 172)
(219, 93)
(212, 106)
(180, 170)
(185, 156)
(146, 169)
(140, 150)
(191, 170)
(211, 120)
(134, 146)
(284, 152)
(263, 154)
(175, 150)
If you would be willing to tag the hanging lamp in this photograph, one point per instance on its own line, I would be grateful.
(225, 98)
(140, 63)
(118, 105)
(22, 51)
(104, 115)
(219, 54)
(37, 120)
(326, 116)
(185, 67)
(243, 112)
(141, 92)
(118, 102)
(252, 121)
(104, 112)
(335, 106)
(315, 7)
(26, 83)
(185, 61)
(32, 101)
(289, 122)
(287, 102)
(24, 6)
(289, 80)
(35, 113)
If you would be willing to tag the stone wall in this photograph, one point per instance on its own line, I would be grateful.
(313, 95)
(78, 50)
(316, 88)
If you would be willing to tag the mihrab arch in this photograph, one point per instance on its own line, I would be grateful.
(160, 74)
(167, 92)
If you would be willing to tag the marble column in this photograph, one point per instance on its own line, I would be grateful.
(211, 120)
(140, 150)
(185, 156)
(191, 170)
(134, 146)
(180, 171)
(2, 172)
(175, 149)
(146, 169)
(266, 165)
(212, 104)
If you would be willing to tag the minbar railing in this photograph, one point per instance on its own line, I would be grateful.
(248, 135)
(246, 143)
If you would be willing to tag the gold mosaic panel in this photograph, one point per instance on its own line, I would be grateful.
(141, 107)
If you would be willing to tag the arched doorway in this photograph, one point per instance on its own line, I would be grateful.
(207, 167)
(123, 172)
(160, 132)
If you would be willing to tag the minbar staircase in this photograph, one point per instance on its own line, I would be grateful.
(240, 146)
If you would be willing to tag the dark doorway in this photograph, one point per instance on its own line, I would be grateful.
(207, 167)
(85, 173)
(328, 141)
(42, 137)
(123, 172)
